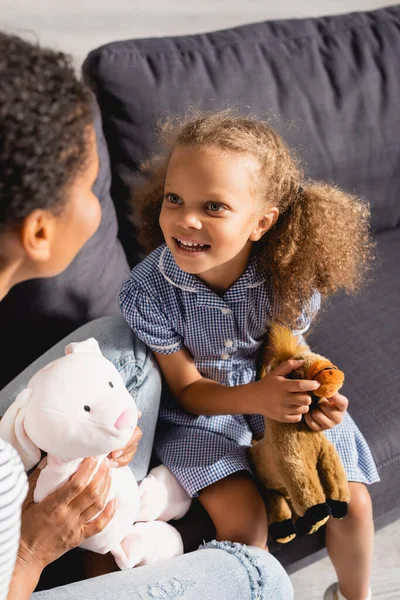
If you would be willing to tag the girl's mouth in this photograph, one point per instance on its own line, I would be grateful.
(192, 247)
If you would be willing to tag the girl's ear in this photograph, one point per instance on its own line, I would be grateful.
(266, 222)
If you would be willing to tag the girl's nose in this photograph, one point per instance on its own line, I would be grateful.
(189, 220)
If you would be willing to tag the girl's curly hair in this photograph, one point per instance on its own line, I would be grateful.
(44, 114)
(321, 240)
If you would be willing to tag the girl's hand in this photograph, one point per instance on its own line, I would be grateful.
(281, 399)
(122, 457)
(330, 412)
(62, 521)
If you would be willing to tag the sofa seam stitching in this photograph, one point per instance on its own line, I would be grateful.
(332, 34)
(390, 460)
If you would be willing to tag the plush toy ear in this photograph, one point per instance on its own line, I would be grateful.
(13, 431)
(91, 345)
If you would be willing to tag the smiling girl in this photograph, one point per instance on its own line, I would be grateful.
(241, 241)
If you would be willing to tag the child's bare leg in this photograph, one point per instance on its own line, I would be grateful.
(237, 510)
(350, 544)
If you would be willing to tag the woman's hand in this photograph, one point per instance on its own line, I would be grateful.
(330, 412)
(282, 399)
(122, 457)
(62, 521)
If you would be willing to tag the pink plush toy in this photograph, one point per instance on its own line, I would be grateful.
(78, 406)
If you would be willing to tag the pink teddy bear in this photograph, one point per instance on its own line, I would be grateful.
(78, 406)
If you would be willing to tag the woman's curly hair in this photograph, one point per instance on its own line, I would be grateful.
(44, 114)
(321, 240)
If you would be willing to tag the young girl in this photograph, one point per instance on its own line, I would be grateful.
(246, 242)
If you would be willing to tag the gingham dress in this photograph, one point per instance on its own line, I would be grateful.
(169, 309)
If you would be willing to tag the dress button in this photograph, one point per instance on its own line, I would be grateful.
(224, 356)
(225, 311)
(228, 343)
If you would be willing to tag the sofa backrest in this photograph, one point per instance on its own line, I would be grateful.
(330, 85)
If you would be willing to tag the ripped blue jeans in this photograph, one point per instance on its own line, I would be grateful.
(220, 570)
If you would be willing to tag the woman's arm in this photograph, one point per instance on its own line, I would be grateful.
(59, 523)
(24, 581)
(13, 488)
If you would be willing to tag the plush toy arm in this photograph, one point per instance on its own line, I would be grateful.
(162, 496)
(13, 431)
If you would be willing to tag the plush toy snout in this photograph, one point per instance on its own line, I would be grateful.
(126, 420)
(328, 375)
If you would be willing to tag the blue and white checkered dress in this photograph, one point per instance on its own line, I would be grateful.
(169, 309)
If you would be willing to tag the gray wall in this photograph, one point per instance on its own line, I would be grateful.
(77, 26)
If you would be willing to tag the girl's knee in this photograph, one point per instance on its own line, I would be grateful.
(360, 506)
(237, 510)
(249, 529)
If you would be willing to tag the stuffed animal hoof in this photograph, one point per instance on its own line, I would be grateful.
(314, 518)
(338, 508)
(283, 531)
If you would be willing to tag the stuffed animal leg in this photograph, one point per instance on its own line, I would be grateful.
(294, 463)
(280, 523)
(147, 543)
(162, 497)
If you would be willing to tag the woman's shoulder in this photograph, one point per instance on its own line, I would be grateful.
(12, 471)
(7, 451)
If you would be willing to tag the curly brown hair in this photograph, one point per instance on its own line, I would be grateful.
(44, 114)
(321, 240)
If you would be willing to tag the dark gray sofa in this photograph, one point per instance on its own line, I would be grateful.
(332, 87)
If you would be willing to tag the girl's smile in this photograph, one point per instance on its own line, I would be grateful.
(190, 247)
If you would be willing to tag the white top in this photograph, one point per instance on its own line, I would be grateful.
(13, 489)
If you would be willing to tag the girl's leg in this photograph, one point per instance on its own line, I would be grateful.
(237, 510)
(220, 570)
(350, 544)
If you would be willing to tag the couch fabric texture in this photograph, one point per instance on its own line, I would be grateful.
(331, 86)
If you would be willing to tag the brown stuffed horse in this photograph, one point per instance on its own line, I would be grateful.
(305, 479)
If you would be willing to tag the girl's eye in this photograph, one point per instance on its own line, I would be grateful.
(173, 198)
(215, 207)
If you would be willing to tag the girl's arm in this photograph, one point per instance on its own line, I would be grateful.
(198, 395)
(274, 396)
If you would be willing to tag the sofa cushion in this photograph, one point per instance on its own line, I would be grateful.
(361, 335)
(38, 313)
(330, 85)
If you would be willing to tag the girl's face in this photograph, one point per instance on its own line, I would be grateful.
(210, 216)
